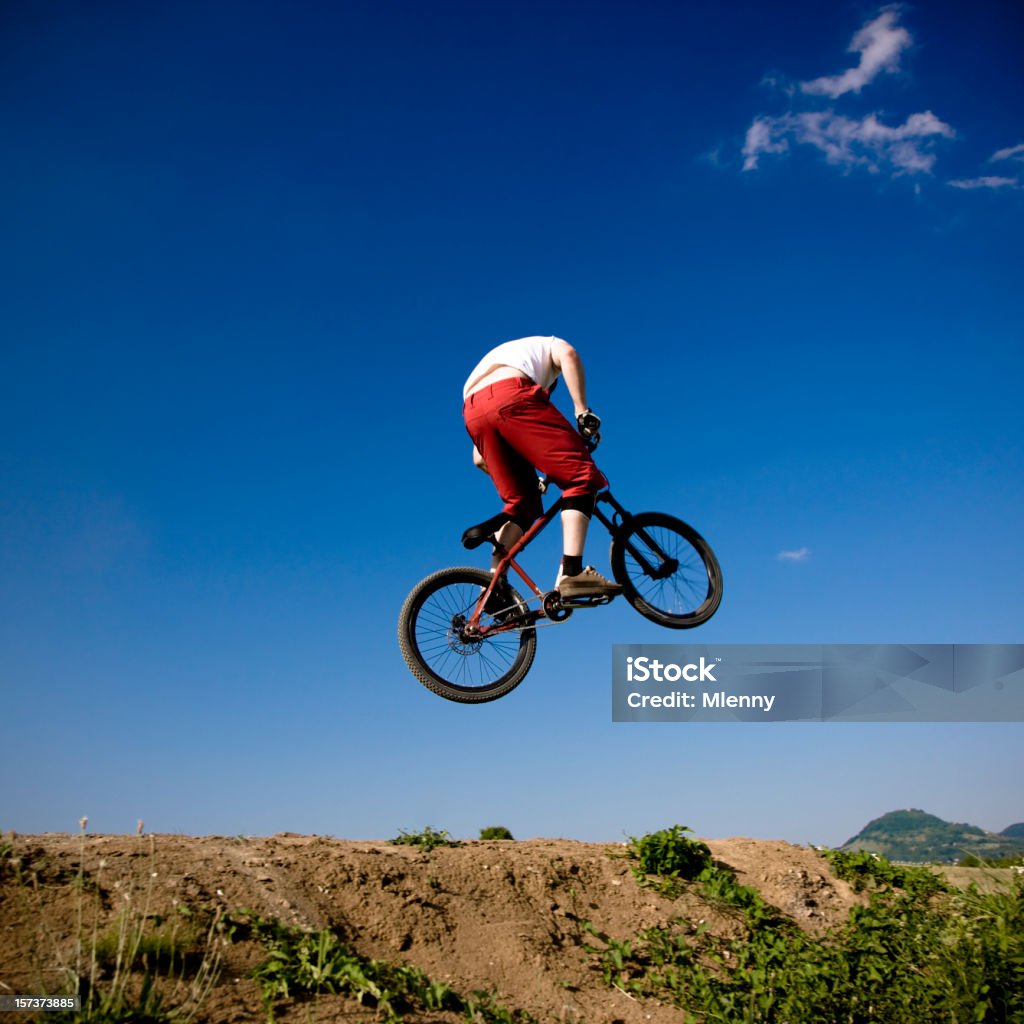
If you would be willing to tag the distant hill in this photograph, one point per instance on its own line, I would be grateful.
(919, 837)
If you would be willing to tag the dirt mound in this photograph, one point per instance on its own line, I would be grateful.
(502, 916)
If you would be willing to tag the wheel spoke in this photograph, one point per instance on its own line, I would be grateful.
(454, 659)
(668, 571)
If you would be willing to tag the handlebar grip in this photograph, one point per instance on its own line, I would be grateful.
(588, 423)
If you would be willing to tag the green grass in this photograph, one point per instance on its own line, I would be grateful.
(917, 952)
(301, 964)
(137, 969)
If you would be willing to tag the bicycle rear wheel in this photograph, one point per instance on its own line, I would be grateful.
(439, 653)
(668, 572)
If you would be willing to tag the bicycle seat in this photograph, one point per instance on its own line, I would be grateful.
(476, 535)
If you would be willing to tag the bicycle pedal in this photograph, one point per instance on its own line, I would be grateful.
(591, 601)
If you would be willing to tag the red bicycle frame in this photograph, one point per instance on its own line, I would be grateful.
(508, 561)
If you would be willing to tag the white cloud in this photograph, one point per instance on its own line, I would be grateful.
(847, 143)
(1012, 153)
(988, 181)
(857, 140)
(799, 555)
(994, 181)
(765, 135)
(879, 44)
(777, 82)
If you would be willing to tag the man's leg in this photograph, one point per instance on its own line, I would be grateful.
(574, 532)
(512, 474)
(513, 477)
(507, 536)
(575, 579)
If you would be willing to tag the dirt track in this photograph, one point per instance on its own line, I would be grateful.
(484, 915)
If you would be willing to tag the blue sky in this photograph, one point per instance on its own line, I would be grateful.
(251, 253)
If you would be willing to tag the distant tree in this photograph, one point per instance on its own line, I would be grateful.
(496, 832)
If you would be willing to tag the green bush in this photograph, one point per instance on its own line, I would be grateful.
(917, 952)
(427, 840)
(669, 853)
(865, 870)
(496, 832)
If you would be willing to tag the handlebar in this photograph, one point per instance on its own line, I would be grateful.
(588, 423)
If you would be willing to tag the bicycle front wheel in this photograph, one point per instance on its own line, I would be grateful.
(668, 571)
(448, 661)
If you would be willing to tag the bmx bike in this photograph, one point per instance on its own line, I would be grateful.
(462, 648)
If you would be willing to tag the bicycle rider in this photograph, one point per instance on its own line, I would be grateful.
(516, 431)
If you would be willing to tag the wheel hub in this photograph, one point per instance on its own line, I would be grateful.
(665, 570)
(460, 639)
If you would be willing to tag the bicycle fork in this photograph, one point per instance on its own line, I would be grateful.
(666, 566)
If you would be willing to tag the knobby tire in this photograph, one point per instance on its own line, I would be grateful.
(465, 672)
(683, 599)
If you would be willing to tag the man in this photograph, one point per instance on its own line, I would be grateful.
(516, 431)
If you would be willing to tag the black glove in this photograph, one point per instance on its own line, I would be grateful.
(588, 423)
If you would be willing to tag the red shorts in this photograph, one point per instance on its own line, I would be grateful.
(518, 431)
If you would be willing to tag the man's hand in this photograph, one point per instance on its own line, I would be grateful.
(588, 423)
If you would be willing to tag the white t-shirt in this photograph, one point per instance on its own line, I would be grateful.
(530, 355)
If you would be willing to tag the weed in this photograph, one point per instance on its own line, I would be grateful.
(139, 967)
(11, 864)
(6, 854)
(573, 915)
(917, 952)
(141, 971)
(483, 1008)
(866, 870)
(427, 840)
(300, 963)
(668, 853)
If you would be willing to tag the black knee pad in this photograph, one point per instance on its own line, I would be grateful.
(581, 503)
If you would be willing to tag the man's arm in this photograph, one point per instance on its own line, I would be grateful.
(478, 460)
(567, 359)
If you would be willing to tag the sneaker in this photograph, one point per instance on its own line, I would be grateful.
(589, 583)
(501, 602)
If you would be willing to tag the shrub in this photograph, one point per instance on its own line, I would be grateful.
(669, 853)
(917, 952)
(427, 840)
(866, 870)
(496, 832)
